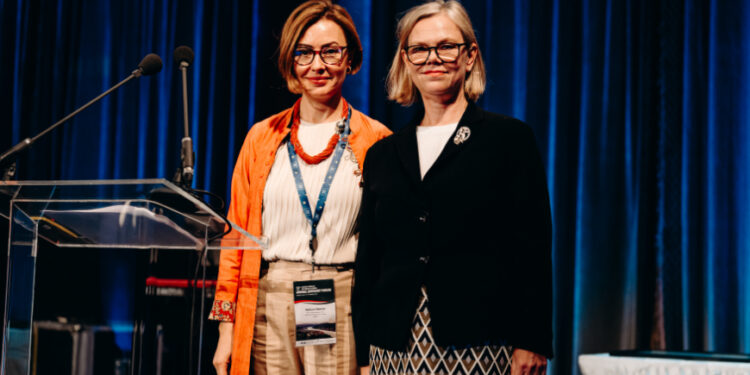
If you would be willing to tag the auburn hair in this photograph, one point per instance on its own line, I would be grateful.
(301, 18)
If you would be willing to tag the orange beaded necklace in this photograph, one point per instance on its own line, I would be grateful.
(323, 155)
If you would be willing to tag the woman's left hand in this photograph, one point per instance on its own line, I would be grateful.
(525, 362)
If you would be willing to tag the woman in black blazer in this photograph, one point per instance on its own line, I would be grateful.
(453, 269)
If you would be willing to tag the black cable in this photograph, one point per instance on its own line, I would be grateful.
(198, 192)
(198, 267)
(194, 280)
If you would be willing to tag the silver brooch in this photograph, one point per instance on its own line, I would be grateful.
(462, 135)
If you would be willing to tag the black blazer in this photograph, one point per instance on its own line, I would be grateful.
(476, 232)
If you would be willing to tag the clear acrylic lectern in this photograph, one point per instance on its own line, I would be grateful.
(82, 218)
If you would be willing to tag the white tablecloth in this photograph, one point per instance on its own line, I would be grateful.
(604, 364)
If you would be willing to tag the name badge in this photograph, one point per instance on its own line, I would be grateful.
(314, 312)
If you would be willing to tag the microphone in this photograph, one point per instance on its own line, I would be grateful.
(183, 55)
(151, 64)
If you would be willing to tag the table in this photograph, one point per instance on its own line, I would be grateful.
(705, 364)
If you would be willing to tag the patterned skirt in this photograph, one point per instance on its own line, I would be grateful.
(422, 356)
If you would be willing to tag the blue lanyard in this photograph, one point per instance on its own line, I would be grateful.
(314, 220)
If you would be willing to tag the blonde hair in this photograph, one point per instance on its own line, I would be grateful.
(301, 18)
(399, 83)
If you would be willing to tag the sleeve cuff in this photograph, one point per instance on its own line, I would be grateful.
(223, 311)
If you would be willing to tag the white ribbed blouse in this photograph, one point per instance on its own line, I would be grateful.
(284, 222)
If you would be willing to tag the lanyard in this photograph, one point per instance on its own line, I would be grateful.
(315, 219)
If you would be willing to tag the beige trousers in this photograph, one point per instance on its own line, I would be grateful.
(273, 343)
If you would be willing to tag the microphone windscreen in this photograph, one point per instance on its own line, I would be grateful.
(151, 64)
(183, 53)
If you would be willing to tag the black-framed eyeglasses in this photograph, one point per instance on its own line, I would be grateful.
(330, 55)
(445, 52)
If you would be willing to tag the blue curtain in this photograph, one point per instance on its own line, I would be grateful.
(641, 111)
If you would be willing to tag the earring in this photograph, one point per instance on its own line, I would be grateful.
(349, 69)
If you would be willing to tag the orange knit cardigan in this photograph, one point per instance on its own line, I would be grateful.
(237, 284)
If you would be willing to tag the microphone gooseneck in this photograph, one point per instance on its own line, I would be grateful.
(151, 64)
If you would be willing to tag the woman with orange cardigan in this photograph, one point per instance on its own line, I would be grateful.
(297, 182)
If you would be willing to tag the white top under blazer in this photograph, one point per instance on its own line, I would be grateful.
(431, 141)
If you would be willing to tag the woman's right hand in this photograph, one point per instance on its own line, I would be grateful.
(223, 348)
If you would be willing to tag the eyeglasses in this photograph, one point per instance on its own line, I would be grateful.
(330, 55)
(445, 52)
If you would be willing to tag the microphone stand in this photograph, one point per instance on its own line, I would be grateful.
(184, 174)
